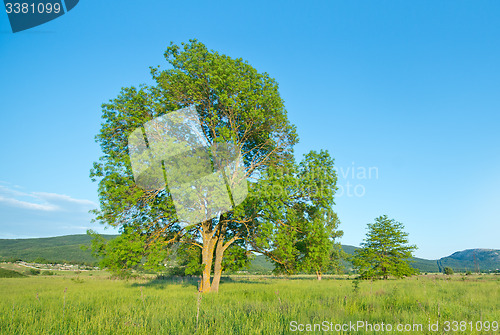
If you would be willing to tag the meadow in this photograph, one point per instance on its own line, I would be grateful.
(93, 303)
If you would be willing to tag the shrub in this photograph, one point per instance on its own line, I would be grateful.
(355, 285)
(33, 272)
(448, 271)
(48, 273)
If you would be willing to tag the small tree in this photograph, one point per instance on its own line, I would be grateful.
(448, 271)
(385, 251)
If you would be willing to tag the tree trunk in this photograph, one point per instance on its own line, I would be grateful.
(205, 281)
(219, 252)
(207, 253)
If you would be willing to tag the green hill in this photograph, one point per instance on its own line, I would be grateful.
(424, 265)
(472, 260)
(66, 249)
(60, 249)
(4, 273)
(260, 265)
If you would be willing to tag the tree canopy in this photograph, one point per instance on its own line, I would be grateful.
(298, 227)
(236, 104)
(385, 250)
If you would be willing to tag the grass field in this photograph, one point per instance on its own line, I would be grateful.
(90, 303)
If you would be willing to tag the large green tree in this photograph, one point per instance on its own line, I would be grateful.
(237, 105)
(385, 251)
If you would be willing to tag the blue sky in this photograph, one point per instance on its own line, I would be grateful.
(408, 89)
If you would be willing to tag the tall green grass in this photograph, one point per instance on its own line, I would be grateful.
(255, 305)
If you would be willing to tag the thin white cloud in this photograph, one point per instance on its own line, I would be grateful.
(28, 205)
(43, 201)
(62, 197)
(7, 190)
(43, 214)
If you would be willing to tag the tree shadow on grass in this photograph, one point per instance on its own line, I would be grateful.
(256, 279)
(162, 281)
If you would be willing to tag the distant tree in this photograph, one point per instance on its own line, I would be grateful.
(300, 228)
(319, 250)
(385, 251)
(448, 271)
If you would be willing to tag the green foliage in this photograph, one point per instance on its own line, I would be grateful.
(299, 227)
(224, 90)
(236, 257)
(448, 271)
(236, 105)
(318, 249)
(121, 254)
(78, 280)
(41, 260)
(355, 285)
(184, 260)
(33, 272)
(385, 251)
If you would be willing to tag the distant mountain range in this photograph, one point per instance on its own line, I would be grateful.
(472, 260)
(66, 249)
